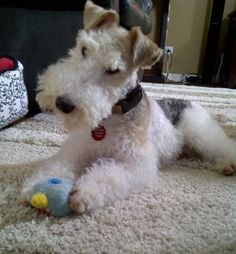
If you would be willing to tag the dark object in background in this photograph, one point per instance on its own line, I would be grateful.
(136, 13)
(38, 32)
(229, 63)
(209, 66)
(194, 79)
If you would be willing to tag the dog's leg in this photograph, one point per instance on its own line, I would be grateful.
(108, 180)
(69, 159)
(54, 167)
(205, 135)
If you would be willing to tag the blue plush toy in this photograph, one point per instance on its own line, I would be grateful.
(53, 195)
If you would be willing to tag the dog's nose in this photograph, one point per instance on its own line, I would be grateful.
(64, 104)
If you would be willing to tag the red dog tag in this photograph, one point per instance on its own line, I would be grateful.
(99, 133)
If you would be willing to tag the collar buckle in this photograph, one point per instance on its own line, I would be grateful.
(131, 100)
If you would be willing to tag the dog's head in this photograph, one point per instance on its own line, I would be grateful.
(99, 70)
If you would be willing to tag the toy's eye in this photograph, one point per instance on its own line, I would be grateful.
(84, 51)
(111, 72)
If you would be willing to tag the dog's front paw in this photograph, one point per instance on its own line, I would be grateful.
(77, 203)
(228, 170)
(226, 167)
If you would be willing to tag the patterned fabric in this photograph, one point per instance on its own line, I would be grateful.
(13, 96)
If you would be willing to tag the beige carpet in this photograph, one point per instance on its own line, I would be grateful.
(192, 209)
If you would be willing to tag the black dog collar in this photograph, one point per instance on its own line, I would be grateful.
(131, 100)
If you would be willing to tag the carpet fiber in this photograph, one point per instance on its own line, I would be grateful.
(191, 209)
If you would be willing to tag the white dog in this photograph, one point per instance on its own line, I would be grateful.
(118, 137)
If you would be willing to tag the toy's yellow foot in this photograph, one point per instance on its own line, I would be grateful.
(39, 200)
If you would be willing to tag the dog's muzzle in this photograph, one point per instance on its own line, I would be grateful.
(64, 104)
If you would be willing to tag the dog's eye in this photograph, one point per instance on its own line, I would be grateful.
(111, 72)
(83, 51)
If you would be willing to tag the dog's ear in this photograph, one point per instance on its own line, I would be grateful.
(96, 17)
(144, 52)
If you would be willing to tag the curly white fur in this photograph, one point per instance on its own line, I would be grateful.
(137, 142)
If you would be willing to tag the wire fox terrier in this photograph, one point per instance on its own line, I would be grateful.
(118, 137)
